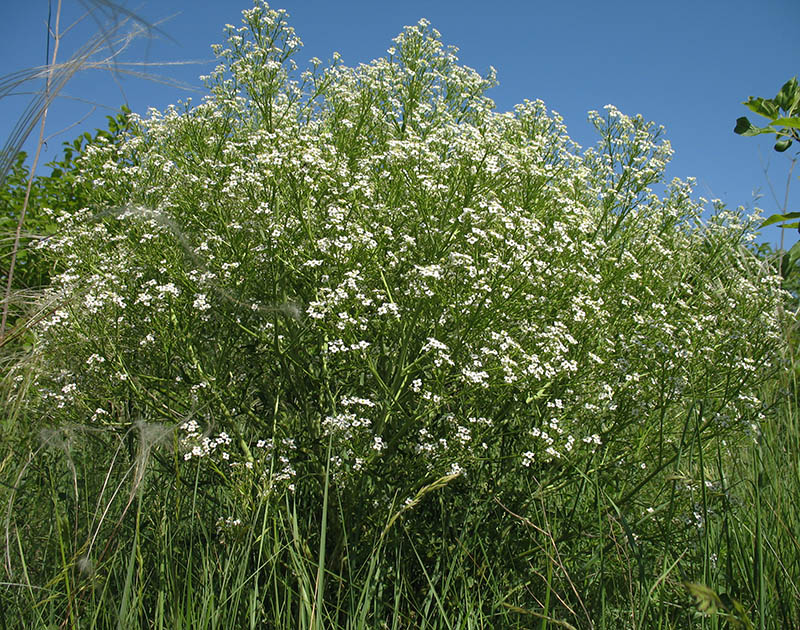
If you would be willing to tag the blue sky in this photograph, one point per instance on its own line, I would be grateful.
(685, 65)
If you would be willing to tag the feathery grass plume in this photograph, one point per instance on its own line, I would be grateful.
(708, 602)
(118, 27)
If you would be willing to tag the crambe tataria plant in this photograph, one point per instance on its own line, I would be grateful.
(369, 276)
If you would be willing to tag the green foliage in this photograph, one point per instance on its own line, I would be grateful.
(783, 112)
(49, 195)
(709, 603)
(30, 268)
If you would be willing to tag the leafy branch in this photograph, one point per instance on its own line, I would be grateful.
(783, 112)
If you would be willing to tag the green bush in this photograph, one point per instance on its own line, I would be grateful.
(32, 267)
(347, 284)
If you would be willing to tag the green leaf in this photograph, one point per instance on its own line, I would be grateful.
(762, 106)
(788, 97)
(794, 254)
(745, 128)
(794, 122)
(782, 144)
(777, 218)
(786, 265)
(742, 125)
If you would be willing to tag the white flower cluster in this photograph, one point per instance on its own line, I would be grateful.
(196, 445)
(467, 284)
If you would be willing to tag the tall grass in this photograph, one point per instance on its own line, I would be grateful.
(356, 352)
(162, 565)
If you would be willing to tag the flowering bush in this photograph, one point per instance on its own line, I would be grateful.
(371, 273)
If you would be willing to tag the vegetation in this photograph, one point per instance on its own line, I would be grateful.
(32, 268)
(783, 112)
(347, 348)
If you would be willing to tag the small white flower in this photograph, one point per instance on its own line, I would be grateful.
(456, 469)
(95, 358)
(200, 302)
(528, 458)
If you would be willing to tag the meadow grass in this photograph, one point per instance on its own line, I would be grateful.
(161, 567)
(355, 351)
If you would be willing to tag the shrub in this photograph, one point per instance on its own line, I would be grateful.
(368, 278)
(32, 266)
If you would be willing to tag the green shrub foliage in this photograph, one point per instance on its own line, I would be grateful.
(369, 273)
(32, 265)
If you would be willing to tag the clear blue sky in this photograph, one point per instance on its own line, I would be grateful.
(685, 65)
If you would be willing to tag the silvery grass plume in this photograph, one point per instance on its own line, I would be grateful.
(117, 28)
